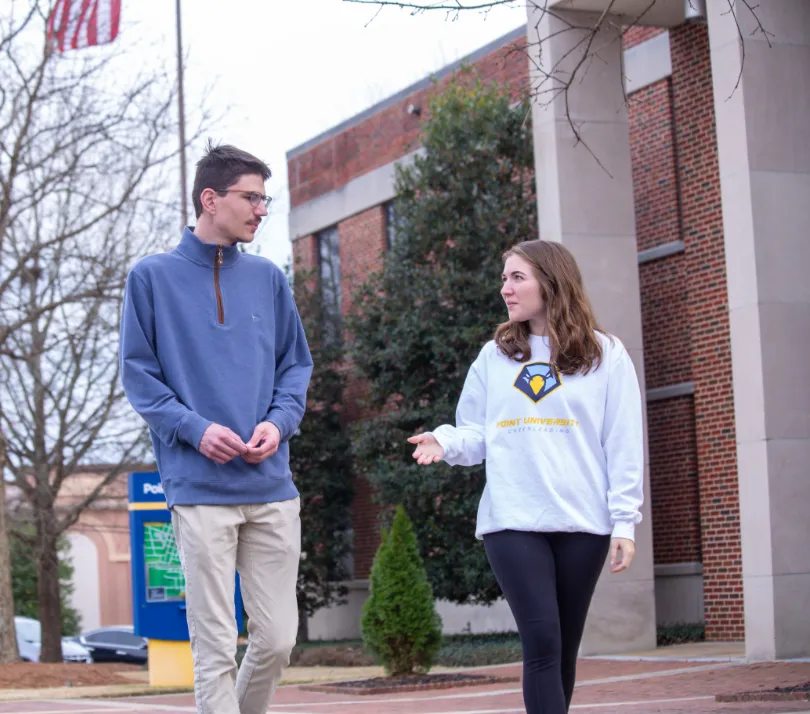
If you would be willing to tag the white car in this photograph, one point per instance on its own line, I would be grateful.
(29, 642)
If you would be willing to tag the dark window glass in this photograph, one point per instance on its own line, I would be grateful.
(329, 275)
(116, 638)
(391, 223)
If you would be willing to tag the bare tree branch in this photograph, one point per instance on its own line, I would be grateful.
(447, 6)
(759, 28)
(84, 152)
(556, 82)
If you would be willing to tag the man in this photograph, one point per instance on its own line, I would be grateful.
(214, 358)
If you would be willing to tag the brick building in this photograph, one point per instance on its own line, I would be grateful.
(667, 244)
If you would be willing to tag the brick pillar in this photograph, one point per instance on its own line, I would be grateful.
(710, 353)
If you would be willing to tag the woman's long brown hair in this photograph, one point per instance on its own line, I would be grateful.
(571, 324)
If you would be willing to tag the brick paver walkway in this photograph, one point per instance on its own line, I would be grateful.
(603, 686)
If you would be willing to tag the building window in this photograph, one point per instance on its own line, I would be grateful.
(329, 276)
(391, 223)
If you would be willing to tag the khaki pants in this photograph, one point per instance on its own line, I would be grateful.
(262, 542)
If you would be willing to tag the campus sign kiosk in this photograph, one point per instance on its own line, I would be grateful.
(158, 584)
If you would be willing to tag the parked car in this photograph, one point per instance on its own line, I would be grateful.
(115, 644)
(29, 642)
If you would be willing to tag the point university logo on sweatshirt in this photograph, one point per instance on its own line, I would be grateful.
(537, 380)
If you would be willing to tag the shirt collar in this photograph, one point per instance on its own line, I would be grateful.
(204, 253)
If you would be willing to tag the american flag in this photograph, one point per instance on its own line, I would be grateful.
(73, 24)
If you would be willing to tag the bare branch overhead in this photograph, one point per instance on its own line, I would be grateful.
(554, 81)
(87, 145)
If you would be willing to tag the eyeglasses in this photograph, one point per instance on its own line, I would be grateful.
(256, 199)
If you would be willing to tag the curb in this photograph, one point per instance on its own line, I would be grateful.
(764, 697)
(89, 692)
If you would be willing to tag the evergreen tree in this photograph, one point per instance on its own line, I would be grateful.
(320, 460)
(400, 623)
(421, 322)
(24, 580)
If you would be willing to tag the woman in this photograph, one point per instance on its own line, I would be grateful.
(553, 405)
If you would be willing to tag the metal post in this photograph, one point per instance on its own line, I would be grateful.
(182, 119)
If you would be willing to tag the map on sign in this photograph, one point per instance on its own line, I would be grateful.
(164, 574)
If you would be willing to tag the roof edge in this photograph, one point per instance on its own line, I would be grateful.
(511, 36)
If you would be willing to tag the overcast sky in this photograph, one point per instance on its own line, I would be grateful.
(287, 70)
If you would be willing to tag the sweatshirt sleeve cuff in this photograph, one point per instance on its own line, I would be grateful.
(192, 429)
(624, 529)
(445, 441)
(282, 423)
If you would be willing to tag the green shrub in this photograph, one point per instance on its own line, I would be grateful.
(480, 650)
(679, 634)
(400, 623)
(24, 580)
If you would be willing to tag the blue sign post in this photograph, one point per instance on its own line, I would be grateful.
(158, 584)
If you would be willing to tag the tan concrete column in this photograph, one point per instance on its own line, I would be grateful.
(589, 208)
(763, 138)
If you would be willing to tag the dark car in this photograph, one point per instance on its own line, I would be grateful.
(115, 644)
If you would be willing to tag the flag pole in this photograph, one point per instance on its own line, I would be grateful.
(181, 118)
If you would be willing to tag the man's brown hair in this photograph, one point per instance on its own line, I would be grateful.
(220, 168)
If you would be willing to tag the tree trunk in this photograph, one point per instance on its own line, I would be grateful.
(50, 605)
(8, 636)
(303, 626)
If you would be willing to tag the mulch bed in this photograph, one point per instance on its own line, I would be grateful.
(797, 692)
(35, 675)
(412, 683)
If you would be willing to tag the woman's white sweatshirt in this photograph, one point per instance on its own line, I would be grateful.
(563, 453)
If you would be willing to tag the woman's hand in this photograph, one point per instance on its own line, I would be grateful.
(622, 551)
(428, 450)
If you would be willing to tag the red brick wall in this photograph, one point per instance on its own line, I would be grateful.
(638, 34)
(664, 321)
(389, 134)
(655, 181)
(674, 481)
(665, 325)
(362, 245)
(707, 306)
(670, 422)
(305, 253)
(366, 530)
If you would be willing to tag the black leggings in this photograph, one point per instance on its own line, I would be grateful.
(548, 580)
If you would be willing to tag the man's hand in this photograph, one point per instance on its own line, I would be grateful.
(628, 550)
(220, 444)
(263, 444)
